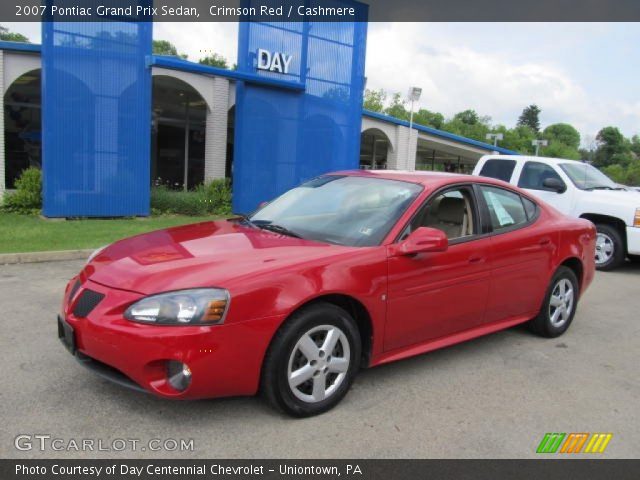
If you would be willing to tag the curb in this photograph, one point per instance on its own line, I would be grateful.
(36, 257)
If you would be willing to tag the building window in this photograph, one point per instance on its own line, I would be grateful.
(22, 126)
(374, 146)
(178, 137)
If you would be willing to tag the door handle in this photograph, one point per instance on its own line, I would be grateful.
(476, 259)
(544, 242)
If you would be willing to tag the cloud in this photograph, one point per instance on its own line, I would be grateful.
(577, 73)
(455, 76)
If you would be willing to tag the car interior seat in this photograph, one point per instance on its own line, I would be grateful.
(450, 217)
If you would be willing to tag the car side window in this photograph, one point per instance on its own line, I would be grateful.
(451, 211)
(530, 207)
(535, 173)
(506, 208)
(498, 169)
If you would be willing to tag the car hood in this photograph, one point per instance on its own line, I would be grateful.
(208, 254)
(624, 198)
(620, 196)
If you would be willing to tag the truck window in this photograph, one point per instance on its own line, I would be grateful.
(535, 173)
(499, 169)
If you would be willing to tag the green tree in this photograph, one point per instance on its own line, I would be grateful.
(629, 175)
(562, 133)
(468, 124)
(214, 60)
(397, 107)
(8, 36)
(518, 138)
(469, 117)
(612, 148)
(560, 150)
(635, 145)
(428, 118)
(374, 100)
(165, 47)
(530, 117)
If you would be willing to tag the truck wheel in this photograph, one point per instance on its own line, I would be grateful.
(609, 247)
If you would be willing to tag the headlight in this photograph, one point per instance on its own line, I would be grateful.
(95, 253)
(201, 306)
(636, 218)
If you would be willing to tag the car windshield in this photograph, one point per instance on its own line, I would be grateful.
(588, 177)
(344, 210)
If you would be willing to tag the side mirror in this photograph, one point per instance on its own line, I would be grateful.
(422, 240)
(554, 185)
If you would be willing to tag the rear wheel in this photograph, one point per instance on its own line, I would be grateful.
(559, 305)
(312, 361)
(609, 247)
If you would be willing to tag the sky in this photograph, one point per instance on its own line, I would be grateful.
(585, 74)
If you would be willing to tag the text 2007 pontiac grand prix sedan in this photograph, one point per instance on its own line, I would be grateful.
(348, 270)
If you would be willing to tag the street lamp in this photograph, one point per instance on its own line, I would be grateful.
(414, 96)
(495, 137)
(538, 144)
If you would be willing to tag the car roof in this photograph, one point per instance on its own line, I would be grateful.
(426, 178)
(523, 158)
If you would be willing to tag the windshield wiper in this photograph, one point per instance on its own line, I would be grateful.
(273, 227)
(243, 219)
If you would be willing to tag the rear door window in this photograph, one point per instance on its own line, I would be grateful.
(498, 169)
(506, 208)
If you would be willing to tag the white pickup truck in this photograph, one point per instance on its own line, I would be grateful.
(579, 190)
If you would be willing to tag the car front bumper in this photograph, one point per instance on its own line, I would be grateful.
(225, 360)
(633, 240)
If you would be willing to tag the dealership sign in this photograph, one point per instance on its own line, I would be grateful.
(273, 61)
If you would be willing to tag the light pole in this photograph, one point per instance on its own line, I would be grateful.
(538, 144)
(414, 96)
(495, 137)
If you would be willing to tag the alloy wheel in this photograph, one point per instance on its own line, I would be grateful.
(604, 248)
(318, 363)
(561, 303)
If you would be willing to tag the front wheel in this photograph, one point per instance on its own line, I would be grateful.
(312, 361)
(559, 305)
(609, 247)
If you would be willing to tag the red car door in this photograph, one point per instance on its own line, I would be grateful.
(432, 295)
(521, 253)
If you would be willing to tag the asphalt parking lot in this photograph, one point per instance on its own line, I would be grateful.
(493, 397)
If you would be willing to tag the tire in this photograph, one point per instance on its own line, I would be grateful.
(610, 252)
(307, 330)
(551, 321)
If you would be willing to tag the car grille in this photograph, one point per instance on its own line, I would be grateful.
(87, 302)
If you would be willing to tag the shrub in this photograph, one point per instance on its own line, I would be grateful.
(217, 194)
(213, 198)
(27, 198)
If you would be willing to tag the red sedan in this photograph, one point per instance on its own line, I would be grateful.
(349, 270)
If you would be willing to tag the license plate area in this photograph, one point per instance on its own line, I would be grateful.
(66, 335)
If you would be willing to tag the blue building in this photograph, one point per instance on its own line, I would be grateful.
(118, 119)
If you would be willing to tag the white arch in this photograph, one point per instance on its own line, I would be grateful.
(388, 129)
(17, 64)
(202, 84)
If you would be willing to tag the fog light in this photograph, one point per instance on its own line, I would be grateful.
(178, 375)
